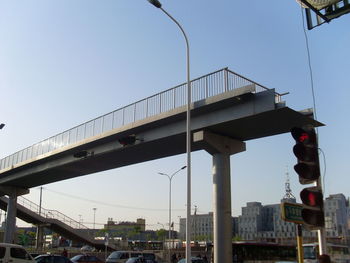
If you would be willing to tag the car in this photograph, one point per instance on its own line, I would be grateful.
(140, 260)
(193, 260)
(124, 256)
(49, 258)
(85, 259)
(14, 253)
(87, 248)
(135, 260)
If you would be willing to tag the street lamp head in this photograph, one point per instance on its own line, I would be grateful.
(156, 3)
(184, 167)
(2, 125)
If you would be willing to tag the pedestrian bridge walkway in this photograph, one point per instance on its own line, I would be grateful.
(204, 87)
(223, 103)
(227, 109)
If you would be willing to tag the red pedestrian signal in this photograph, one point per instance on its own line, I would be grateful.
(313, 197)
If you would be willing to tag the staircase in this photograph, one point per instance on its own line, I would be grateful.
(54, 220)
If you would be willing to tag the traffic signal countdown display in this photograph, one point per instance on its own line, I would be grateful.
(308, 169)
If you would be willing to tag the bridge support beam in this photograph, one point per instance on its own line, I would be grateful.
(10, 227)
(221, 148)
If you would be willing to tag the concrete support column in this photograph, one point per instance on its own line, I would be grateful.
(222, 218)
(39, 237)
(10, 226)
(221, 148)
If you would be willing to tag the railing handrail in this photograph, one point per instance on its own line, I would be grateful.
(55, 214)
(219, 82)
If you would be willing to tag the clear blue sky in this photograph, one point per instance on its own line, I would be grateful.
(65, 62)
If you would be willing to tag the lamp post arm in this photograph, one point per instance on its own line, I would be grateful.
(182, 30)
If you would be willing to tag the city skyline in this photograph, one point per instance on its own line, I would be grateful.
(56, 73)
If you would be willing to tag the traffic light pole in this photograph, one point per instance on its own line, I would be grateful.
(300, 243)
(321, 232)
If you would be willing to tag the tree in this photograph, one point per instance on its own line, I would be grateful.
(161, 234)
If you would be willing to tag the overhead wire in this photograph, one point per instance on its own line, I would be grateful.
(108, 204)
(313, 93)
(310, 67)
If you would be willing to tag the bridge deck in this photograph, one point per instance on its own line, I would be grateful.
(223, 102)
(207, 86)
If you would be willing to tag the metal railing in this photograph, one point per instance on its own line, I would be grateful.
(52, 214)
(210, 85)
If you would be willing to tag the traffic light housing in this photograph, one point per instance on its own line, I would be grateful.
(308, 169)
(312, 212)
(306, 151)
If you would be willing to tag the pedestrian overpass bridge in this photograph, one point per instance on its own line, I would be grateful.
(223, 102)
(227, 109)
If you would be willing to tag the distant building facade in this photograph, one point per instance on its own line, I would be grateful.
(336, 208)
(264, 223)
(202, 227)
(140, 225)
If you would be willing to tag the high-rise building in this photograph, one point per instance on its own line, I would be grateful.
(336, 209)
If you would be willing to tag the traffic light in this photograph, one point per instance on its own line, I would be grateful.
(312, 212)
(308, 169)
(306, 151)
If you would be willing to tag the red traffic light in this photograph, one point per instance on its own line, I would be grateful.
(306, 151)
(312, 212)
(312, 196)
(303, 135)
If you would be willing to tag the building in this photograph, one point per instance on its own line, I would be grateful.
(139, 225)
(264, 223)
(202, 227)
(336, 209)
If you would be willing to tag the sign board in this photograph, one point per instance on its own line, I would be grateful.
(291, 212)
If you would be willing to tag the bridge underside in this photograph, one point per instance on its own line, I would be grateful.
(242, 117)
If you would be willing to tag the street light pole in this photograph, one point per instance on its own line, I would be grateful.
(170, 177)
(157, 4)
(94, 215)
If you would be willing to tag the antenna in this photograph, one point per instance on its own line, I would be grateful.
(288, 194)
